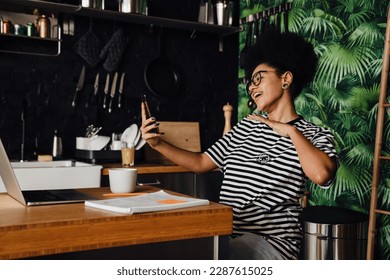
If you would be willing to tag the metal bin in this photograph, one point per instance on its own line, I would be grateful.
(333, 233)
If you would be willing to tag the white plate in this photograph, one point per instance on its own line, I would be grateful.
(137, 137)
(140, 143)
(130, 134)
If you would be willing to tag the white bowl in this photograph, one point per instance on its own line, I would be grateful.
(98, 142)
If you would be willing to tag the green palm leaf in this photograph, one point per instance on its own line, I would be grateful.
(295, 18)
(339, 97)
(364, 98)
(375, 69)
(384, 194)
(339, 61)
(321, 25)
(360, 155)
(353, 177)
(372, 117)
(352, 128)
(354, 12)
(367, 33)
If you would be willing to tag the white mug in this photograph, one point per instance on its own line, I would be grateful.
(122, 180)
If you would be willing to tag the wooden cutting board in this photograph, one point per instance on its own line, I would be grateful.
(185, 135)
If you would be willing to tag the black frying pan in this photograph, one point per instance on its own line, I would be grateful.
(161, 77)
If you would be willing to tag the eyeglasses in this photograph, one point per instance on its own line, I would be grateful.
(256, 79)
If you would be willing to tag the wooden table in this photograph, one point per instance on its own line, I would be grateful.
(45, 230)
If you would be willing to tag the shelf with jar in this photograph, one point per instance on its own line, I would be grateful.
(54, 9)
(118, 13)
(34, 34)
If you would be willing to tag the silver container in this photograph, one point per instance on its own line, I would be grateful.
(130, 6)
(87, 3)
(221, 10)
(333, 233)
(96, 4)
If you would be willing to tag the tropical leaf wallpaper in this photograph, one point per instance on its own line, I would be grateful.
(348, 36)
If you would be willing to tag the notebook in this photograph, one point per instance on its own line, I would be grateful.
(34, 197)
(150, 202)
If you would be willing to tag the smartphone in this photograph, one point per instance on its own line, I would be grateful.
(147, 109)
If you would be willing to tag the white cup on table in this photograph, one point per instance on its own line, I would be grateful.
(122, 180)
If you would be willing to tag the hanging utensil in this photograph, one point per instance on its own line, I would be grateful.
(162, 77)
(255, 30)
(265, 26)
(279, 16)
(262, 23)
(113, 90)
(248, 43)
(285, 16)
(106, 90)
(121, 89)
(95, 90)
(79, 86)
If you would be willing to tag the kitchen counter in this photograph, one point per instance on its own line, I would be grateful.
(46, 230)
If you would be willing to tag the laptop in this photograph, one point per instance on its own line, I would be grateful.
(35, 197)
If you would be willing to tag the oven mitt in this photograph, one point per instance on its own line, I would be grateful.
(89, 47)
(114, 50)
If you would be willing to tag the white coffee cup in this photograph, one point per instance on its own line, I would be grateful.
(122, 180)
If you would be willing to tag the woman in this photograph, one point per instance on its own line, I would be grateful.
(266, 158)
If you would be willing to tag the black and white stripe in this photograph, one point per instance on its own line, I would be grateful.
(263, 180)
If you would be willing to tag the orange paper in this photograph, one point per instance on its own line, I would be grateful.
(170, 201)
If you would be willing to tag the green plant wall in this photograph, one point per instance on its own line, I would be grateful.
(348, 36)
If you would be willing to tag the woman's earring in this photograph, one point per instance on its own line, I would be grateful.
(251, 104)
(285, 86)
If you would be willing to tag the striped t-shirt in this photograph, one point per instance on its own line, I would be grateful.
(263, 180)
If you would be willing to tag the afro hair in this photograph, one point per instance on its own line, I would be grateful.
(284, 52)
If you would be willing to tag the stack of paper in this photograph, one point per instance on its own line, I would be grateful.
(151, 202)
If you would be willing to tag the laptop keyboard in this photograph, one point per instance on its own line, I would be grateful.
(41, 196)
(55, 195)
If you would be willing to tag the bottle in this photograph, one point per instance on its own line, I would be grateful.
(43, 26)
(57, 145)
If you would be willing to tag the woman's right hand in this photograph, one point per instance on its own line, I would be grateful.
(153, 139)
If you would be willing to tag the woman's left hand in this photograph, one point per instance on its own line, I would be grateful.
(281, 128)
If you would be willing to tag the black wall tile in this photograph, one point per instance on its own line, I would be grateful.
(46, 86)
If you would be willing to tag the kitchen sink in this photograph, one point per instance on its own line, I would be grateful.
(63, 174)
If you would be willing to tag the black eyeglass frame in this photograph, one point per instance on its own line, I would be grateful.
(251, 81)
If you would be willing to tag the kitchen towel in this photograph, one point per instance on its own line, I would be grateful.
(89, 47)
(113, 50)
